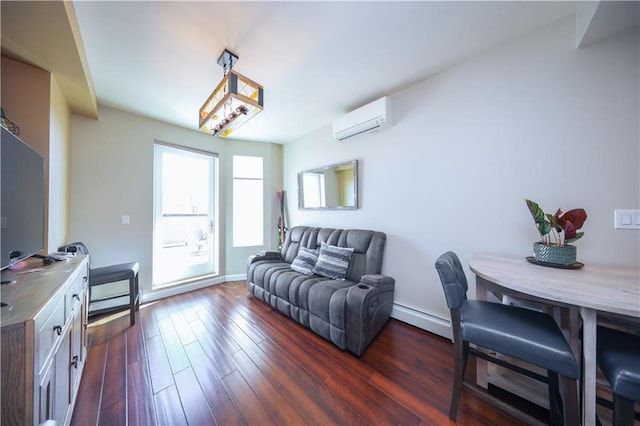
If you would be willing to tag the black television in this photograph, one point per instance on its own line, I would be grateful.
(22, 200)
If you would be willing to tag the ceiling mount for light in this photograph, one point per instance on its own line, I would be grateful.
(233, 102)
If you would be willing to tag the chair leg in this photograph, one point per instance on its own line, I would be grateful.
(556, 417)
(461, 349)
(622, 411)
(569, 392)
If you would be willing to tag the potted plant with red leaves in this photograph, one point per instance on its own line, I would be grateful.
(556, 231)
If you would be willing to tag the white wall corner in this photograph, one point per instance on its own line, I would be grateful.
(583, 20)
(602, 19)
(423, 320)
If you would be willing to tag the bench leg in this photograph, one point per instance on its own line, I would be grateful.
(133, 297)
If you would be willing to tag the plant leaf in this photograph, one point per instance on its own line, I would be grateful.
(553, 220)
(536, 211)
(544, 228)
(569, 230)
(577, 217)
(577, 237)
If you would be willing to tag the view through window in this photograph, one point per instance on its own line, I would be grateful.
(185, 215)
(248, 201)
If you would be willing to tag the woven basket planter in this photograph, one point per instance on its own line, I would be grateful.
(562, 255)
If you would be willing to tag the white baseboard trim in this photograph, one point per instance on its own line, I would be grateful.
(184, 288)
(423, 320)
(236, 277)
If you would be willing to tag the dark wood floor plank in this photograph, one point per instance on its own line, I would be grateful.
(173, 345)
(169, 408)
(159, 368)
(271, 369)
(160, 309)
(315, 402)
(114, 414)
(214, 324)
(319, 371)
(182, 328)
(140, 394)
(251, 408)
(206, 374)
(218, 357)
(372, 405)
(135, 343)
(226, 413)
(221, 356)
(116, 391)
(194, 403)
(148, 321)
(87, 405)
(281, 410)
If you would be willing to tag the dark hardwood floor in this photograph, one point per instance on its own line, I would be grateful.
(220, 356)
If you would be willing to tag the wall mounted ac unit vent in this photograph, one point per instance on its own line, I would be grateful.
(370, 118)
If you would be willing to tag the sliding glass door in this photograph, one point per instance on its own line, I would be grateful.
(185, 215)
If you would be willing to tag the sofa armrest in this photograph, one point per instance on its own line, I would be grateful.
(377, 280)
(264, 255)
(367, 309)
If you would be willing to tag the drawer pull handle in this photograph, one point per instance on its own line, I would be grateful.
(75, 362)
(58, 329)
(85, 279)
(75, 296)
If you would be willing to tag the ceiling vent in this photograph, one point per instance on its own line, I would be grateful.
(370, 118)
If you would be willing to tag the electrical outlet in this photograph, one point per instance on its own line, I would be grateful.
(626, 219)
(125, 219)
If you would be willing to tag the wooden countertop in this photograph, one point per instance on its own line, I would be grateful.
(32, 286)
(603, 288)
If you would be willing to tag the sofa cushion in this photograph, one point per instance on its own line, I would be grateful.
(305, 261)
(333, 261)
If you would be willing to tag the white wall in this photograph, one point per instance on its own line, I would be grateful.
(112, 175)
(32, 100)
(534, 119)
(59, 169)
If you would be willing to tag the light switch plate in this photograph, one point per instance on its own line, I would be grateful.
(126, 219)
(626, 219)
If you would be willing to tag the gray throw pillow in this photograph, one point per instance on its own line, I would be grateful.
(305, 261)
(333, 261)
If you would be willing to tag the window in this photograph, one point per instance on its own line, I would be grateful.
(248, 201)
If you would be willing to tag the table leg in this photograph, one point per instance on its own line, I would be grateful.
(589, 328)
(482, 368)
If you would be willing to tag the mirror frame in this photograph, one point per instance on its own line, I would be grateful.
(323, 169)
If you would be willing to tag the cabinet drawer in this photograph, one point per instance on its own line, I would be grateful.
(74, 295)
(48, 330)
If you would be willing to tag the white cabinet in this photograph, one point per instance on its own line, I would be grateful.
(43, 340)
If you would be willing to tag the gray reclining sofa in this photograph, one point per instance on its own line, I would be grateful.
(348, 312)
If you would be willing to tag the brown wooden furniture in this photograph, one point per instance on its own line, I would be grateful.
(44, 339)
(586, 293)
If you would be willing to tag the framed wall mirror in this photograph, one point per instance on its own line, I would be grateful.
(333, 187)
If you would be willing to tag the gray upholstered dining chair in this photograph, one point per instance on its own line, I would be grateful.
(525, 334)
(618, 356)
(110, 274)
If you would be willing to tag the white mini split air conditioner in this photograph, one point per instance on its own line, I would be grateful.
(367, 119)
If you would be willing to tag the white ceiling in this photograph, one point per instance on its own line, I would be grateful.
(316, 60)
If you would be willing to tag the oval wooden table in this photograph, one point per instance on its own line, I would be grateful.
(587, 292)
